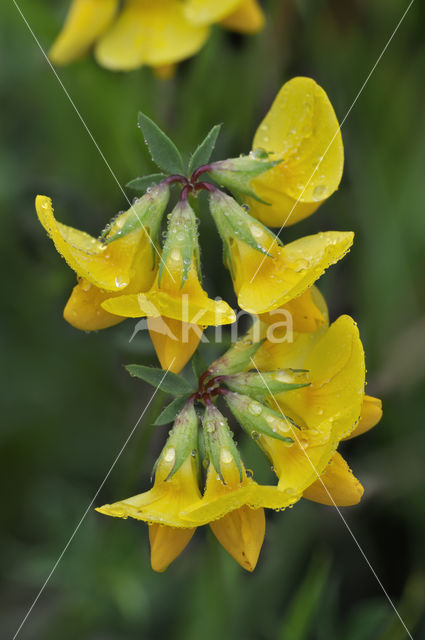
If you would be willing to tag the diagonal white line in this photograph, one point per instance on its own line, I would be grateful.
(83, 122)
(333, 502)
(336, 132)
(55, 566)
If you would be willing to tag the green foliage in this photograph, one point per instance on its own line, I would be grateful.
(144, 182)
(170, 412)
(203, 152)
(163, 150)
(164, 380)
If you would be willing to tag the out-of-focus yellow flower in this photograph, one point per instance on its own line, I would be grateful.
(104, 270)
(144, 32)
(301, 130)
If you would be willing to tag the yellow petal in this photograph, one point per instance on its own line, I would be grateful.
(265, 283)
(333, 401)
(108, 267)
(337, 486)
(166, 544)
(219, 499)
(166, 500)
(86, 21)
(325, 411)
(175, 342)
(305, 315)
(209, 11)
(241, 533)
(84, 311)
(247, 18)
(302, 130)
(154, 33)
(369, 417)
(188, 304)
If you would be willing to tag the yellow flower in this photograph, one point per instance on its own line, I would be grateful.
(301, 130)
(103, 270)
(177, 306)
(156, 33)
(304, 314)
(337, 485)
(326, 411)
(263, 283)
(267, 275)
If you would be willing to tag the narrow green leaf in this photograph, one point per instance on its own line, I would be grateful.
(305, 608)
(202, 154)
(163, 150)
(170, 412)
(164, 380)
(144, 182)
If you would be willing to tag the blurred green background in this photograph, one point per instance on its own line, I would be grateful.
(68, 406)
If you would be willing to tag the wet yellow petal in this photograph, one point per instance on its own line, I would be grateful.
(189, 304)
(265, 283)
(241, 533)
(369, 417)
(108, 267)
(333, 401)
(154, 33)
(84, 311)
(166, 500)
(301, 128)
(247, 18)
(304, 313)
(86, 21)
(175, 342)
(337, 486)
(209, 11)
(166, 544)
(219, 499)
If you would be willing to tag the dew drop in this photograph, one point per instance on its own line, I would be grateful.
(255, 408)
(320, 191)
(225, 456)
(175, 255)
(170, 454)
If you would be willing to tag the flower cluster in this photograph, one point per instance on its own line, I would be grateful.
(296, 399)
(125, 273)
(157, 33)
(297, 402)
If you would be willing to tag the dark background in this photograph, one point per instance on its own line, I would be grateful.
(68, 406)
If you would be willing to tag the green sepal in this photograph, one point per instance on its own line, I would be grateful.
(144, 182)
(164, 380)
(260, 385)
(217, 436)
(236, 173)
(199, 365)
(163, 150)
(234, 223)
(182, 236)
(236, 359)
(256, 418)
(203, 152)
(183, 437)
(147, 211)
(170, 412)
